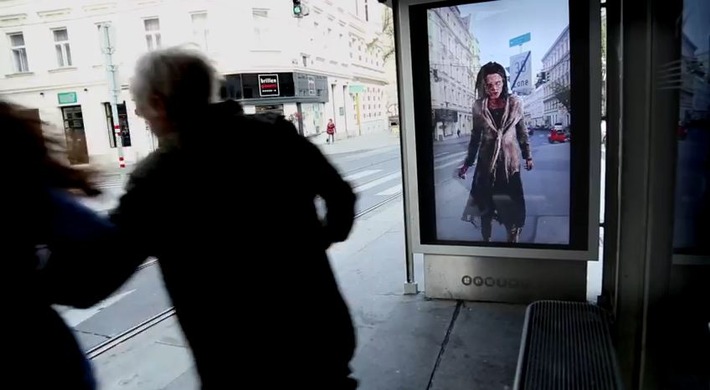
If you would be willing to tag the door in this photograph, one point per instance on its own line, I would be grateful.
(77, 150)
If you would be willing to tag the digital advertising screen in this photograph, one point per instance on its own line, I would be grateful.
(692, 208)
(502, 123)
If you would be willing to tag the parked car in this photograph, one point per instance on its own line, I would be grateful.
(557, 136)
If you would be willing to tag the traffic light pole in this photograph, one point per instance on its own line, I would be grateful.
(114, 89)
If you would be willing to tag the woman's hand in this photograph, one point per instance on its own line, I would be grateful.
(529, 164)
(462, 171)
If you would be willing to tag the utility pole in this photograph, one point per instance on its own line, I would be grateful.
(108, 48)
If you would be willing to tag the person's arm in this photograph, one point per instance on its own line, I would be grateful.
(138, 201)
(473, 145)
(524, 142)
(322, 179)
(325, 181)
(87, 261)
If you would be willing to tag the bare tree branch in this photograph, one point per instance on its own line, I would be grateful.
(562, 94)
(385, 38)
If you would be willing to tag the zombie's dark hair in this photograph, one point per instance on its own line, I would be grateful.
(489, 69)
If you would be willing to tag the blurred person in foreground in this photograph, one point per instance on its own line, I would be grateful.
(54, 251)
(234, 227)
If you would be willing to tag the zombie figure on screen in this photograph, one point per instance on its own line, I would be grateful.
(498, 141)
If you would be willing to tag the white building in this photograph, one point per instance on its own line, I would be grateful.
(476, 63)
(687, 87)
(534, 107)
(701, 96)
(452, 63)
(386, 43)
(54, 63)
(556, 65)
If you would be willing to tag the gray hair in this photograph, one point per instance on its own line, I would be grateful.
(184, 80)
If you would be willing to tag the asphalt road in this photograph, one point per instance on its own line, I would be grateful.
(374, 174)
(546, 189)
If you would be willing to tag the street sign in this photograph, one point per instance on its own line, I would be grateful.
(521, 73)
(66, 97)
(269, 85)
(519, 40)
(356, 88)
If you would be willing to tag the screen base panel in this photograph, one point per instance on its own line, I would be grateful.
(503, 280)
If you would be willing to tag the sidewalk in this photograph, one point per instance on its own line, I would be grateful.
(378, 140)
(404, 342)
(372, 141)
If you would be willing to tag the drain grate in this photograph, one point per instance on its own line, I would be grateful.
(566, 346)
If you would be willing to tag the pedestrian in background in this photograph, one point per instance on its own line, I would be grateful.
(330, 129)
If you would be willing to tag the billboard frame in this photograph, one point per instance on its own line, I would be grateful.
(591, 28)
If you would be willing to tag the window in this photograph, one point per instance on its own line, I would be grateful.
(19, 53)
(311, 86)
(152, 33)
(199, 29)
(262, 30)
(122, 120)
(367, 15)
(61, 46)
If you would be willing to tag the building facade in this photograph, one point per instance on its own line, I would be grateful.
(556, 65)
(453, 59)
(534, 107)
(695, 81)
(324, 65)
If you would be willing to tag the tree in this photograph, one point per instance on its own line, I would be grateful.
(385, 38)
(561, 92)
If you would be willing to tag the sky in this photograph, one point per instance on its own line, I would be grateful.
(494, 23)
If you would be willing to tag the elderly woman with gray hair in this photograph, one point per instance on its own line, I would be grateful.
(235, 229)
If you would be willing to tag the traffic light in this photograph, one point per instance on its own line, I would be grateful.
(297, 8)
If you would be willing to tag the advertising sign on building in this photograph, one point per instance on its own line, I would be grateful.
(67, 97)
(521, 73)
(268, 85)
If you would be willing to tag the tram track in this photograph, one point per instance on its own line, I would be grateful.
(168, 313)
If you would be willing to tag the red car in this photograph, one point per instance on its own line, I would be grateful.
(557, 136)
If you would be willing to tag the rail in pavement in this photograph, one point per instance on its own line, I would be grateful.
(404, 342)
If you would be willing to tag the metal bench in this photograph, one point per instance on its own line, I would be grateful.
(566, 345)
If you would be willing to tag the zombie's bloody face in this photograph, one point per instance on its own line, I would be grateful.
(494, 85)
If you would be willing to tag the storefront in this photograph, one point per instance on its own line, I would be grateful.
(300, 97)
(446, 121)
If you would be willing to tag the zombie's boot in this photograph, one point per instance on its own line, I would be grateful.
(514, 234)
